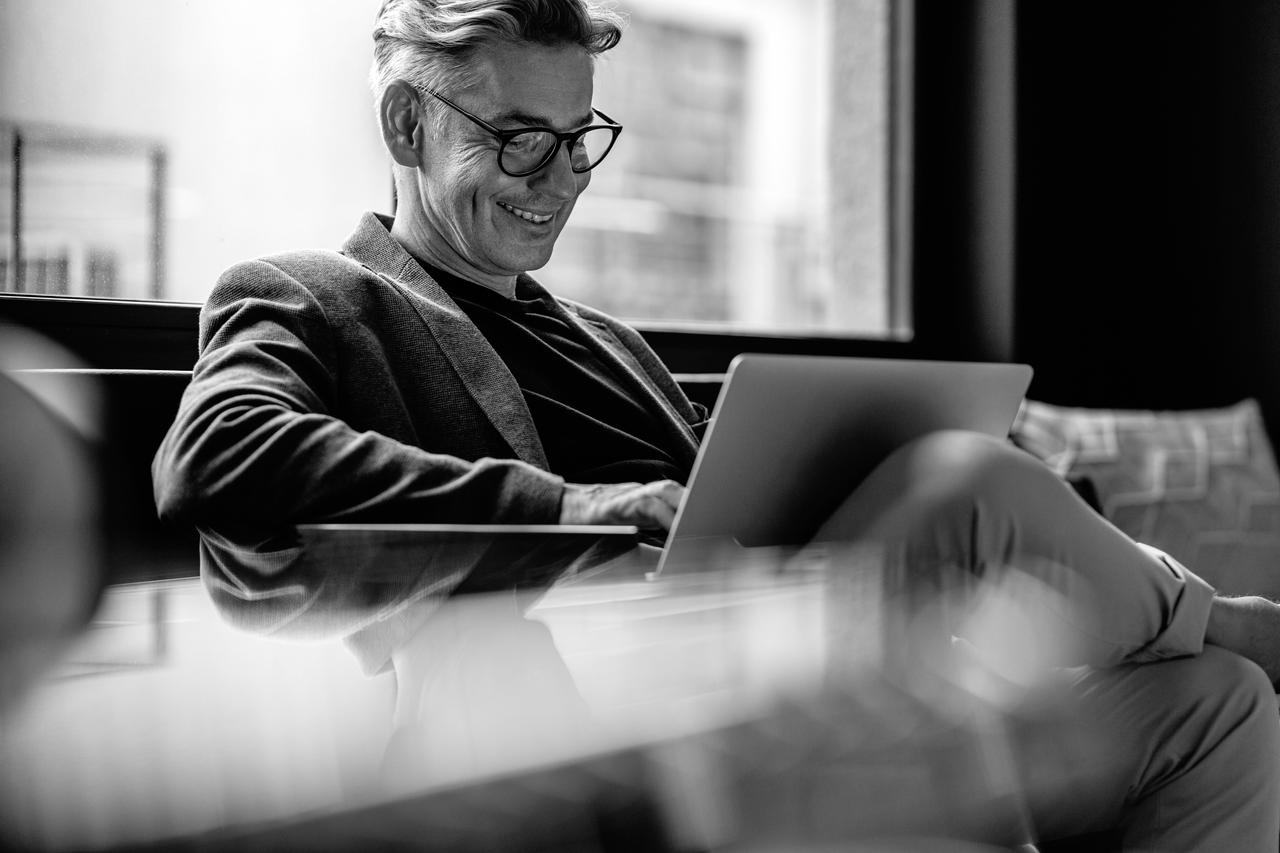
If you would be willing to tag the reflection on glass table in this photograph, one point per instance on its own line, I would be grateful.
(458, 690)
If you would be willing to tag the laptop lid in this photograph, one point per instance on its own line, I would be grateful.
(792, 436)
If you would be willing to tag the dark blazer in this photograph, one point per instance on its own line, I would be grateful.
(339, 386)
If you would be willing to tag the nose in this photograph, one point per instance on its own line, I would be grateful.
(557, 179)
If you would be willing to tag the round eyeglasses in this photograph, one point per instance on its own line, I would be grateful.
(525, 150)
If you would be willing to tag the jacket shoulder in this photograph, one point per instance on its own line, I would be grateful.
(322, 273)
(311, 266)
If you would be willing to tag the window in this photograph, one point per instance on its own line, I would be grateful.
(750, 189)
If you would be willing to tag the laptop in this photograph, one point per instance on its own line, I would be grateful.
(792, 436)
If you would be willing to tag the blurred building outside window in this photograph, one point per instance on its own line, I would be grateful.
(750, 189)
(84, 214)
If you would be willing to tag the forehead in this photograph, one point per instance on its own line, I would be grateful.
(552, 85)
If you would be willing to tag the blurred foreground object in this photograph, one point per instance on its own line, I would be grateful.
(51, 572)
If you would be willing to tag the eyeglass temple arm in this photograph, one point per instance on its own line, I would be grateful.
(606, 118)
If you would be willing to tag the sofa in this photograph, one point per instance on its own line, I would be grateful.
(134, 412)
(1200, 485)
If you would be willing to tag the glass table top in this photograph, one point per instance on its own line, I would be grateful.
(458, 689)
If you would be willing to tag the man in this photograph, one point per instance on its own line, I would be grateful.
(422, 375)
(393, 445)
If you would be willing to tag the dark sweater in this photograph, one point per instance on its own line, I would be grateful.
(592, 428)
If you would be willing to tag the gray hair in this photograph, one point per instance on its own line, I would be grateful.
(429, 43)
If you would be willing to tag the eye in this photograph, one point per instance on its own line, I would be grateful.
(579, 153)
(522, 143)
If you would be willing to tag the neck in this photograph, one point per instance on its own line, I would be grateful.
(428, 247)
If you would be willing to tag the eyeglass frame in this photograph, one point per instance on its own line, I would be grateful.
(505, 136)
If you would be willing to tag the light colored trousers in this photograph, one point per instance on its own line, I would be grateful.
(1191, 733)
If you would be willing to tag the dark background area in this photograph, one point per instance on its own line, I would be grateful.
(1097, 193)
(1148, 242)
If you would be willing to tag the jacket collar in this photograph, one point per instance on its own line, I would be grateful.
(482, 372)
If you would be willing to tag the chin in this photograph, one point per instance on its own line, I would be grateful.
(530, 262)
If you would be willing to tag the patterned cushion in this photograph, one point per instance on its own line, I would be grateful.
(1201, 485)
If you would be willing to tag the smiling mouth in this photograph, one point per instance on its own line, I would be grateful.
(526, 215)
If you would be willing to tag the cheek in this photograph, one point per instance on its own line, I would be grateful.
(476, 172)
(461, 181)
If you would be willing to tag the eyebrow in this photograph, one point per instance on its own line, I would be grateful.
(520, 119)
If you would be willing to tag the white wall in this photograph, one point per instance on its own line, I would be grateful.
(263, 108)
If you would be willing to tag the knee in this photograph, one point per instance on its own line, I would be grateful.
(1239, 686)
(970, 465)
(940, 481)
(1243, 730)
(1231, 705)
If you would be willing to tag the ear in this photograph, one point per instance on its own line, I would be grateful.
(403, 123)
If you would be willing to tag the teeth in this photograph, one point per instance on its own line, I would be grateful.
(524, 214)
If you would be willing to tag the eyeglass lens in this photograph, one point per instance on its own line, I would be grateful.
(529, 151)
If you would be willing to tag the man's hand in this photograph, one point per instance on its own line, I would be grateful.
(649, 506)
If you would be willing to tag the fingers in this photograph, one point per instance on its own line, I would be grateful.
(659, 502)
(651, 506)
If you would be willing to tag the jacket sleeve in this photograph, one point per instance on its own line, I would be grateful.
(257, 440)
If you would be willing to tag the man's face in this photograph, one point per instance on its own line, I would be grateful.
(480, 221)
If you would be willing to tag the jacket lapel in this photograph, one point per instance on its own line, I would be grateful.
(478, 366)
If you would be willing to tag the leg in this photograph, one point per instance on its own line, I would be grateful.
(1179, 755)
(1182, 754)
(957, 513)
